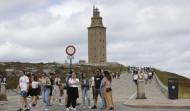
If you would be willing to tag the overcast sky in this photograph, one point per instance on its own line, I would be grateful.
(139, 32)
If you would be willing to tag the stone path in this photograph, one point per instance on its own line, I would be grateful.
(124, 87)
(153, 91)
(118, 107)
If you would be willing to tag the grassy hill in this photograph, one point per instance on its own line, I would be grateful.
(184, 83)
(55, 68)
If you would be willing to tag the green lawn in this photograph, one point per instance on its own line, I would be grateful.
(184, 83)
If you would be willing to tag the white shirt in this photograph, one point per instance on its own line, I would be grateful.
(23, 83)
(145, 76)
(92, 79)
(34, 84)
(72, 81)
(135, 77)
(150, 74)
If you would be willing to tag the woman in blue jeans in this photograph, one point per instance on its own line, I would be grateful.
(102, 95)
(46, 90)
(85, 86)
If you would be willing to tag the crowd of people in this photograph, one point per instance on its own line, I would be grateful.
(51, 89)
(116, 75)
(145, 74)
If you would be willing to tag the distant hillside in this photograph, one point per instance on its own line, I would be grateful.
(11, 70)
(184, 83)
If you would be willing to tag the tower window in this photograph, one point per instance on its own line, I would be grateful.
(103, 47)
(100, 33)
(94, 48)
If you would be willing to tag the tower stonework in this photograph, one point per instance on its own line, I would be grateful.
(96, 39)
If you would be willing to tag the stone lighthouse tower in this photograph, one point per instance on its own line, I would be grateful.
(96, 39)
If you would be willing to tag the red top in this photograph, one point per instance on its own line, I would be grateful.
(30, 82)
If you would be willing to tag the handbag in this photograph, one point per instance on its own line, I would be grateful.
(108, 89)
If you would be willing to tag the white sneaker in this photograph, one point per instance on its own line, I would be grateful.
(60, 104)
(30, 105)
(73, 109)
(70, 108)
(84, 107)
(67, 109)
(89, 107)
(46, 109)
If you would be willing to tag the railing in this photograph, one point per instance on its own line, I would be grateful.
(163, 88)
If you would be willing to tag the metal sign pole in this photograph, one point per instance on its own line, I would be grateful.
(70, 50)
(70, 65)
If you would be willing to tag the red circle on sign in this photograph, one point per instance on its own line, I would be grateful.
(72, 52)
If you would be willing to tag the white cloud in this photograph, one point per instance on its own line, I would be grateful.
(139, 33)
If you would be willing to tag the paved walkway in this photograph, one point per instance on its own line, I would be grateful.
(153, 91)
(124, 87)
(118, 107)
(157, 99)
(159, 103)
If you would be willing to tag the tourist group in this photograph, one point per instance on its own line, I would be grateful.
(51, 89)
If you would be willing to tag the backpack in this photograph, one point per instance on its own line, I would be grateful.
(67, 82)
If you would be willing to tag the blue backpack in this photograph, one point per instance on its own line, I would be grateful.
(67, 82)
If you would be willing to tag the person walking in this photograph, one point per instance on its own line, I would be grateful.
(30, 85)
(46, 83)
(115, 74)
(34, 91)
(102, 94)
(92, 84)
(118, 75)
(108, 90)
(140, 75)
(51, 88)
(97, 81)
(56, 90)
(72, 92)
(150, 76)
(135, 77)
(24, 86)
(145, 77)
(85, 86)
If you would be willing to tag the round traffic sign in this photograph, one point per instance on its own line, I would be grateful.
(70, 50)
